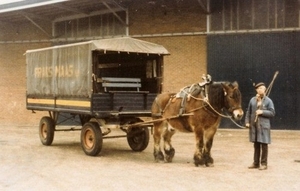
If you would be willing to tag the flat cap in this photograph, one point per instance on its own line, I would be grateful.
(259, 84)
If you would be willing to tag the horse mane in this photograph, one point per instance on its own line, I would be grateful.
(216, 95)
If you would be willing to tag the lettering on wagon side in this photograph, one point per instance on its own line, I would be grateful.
(58, 71)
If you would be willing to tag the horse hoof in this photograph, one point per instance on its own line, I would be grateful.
(198, 161)
(159, 156)
(168, 159)
(198, 165)
(170, 154)
(209, 165)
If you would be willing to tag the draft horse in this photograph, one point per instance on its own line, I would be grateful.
(195, 109)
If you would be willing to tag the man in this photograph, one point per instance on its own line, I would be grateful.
(257, 119)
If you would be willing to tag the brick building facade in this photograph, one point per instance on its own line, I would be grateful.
(178, 27)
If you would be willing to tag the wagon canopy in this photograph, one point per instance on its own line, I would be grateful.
(66, 70)
(127, 44)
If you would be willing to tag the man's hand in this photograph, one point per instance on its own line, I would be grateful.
(247, 125)
(259, 112)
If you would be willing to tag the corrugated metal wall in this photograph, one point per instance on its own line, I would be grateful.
(251, 58)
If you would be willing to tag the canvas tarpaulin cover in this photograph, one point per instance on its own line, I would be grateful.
(127, 44)
(64, 71)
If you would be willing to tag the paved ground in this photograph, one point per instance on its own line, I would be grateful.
(28, 165)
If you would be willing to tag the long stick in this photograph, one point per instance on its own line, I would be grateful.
(271, 84)
(268, 91)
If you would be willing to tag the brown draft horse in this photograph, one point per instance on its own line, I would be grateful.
(200, 113)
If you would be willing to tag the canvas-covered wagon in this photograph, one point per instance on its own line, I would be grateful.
(99, 83)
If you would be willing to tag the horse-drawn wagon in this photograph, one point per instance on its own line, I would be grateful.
(101, 83)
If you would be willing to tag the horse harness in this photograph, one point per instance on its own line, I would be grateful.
(185, 95)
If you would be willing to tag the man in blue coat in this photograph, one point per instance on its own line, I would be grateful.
(257, 119)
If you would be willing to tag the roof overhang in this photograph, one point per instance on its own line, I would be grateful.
(15, 5)
(15, 11)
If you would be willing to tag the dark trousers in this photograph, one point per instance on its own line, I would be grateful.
(260, 153)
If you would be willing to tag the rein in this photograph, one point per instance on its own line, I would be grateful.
(207, 102)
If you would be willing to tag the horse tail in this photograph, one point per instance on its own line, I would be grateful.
(160, 104)
(156, 106)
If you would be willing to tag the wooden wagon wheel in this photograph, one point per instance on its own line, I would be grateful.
(46, 130)
(91, 138)
(138, 138)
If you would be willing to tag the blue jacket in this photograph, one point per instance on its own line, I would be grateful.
(262, 131)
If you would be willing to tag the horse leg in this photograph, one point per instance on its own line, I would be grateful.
(198, 156)
(168, 148)
(157, 134)
(208, 142)
(209, 161)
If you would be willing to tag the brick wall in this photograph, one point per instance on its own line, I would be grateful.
(166, 17)
(13, 84)
(187, 61)
(13, 73)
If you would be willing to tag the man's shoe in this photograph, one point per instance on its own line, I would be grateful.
(263, 167)
(253, 166)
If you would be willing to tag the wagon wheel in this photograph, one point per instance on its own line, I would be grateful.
(138, 138)
(91, 138)
(46, 130)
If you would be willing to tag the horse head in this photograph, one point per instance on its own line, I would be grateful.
(233, 100)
